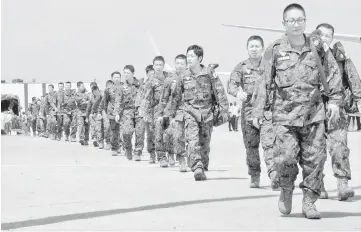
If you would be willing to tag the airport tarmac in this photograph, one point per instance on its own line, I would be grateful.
(55, 185)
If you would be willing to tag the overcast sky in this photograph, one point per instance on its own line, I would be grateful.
(53, 40)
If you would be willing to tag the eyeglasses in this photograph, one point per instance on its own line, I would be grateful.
(292, 22)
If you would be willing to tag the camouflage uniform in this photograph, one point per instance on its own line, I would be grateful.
(34, 110)
(98, 119)
(60, 115)
(82, 100)
(298, 111)
(91, 119)
(173, 136)
(29, 124)
(68, 109)
(46, 112)
(152, 109)
(24, 124)
(246, 75)
(197, 112)
(125, 108)
(40, 123)
(337, 132)
(50, 101)
(106, 123)
(139, 119)
(107, 104)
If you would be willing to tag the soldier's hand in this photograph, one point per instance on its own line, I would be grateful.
(117, 118)
(241, 95)
(90, 115)
(256, 123)
(86, 120)
(333, 112)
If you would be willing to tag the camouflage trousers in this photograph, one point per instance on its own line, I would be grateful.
(267, 140)
(178, 138)
(70, 125)
(99, 129)
(304, 145)
(168, 138)
(139, 135)
(106, 125)
(25, 126)
(120, 137)
(251, 140)
(32, 124)
(127, 129)
(60, 120)
(158, 140)
(83, 128)
(150, 131)
(51, 124)
(92, 131)
(198, 138)
(46, 128)
(40, 126)
(336, 133)
(114, 134)
(29, 124)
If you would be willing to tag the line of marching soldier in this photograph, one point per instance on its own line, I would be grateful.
(177, 110)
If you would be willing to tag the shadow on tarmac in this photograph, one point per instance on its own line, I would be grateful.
(103, 213)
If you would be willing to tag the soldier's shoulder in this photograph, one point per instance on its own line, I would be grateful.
(240, 66)
(271, 49)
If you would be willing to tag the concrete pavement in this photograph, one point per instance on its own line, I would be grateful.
(52, 185)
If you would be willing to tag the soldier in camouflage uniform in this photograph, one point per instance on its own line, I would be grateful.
(82, 97)
(174, 135)
(40, 122)
(337, 132)
(105, 119)
(293, 67)
(68, 109)
(198, 112)
(28, 123)
(125, 109)
(139, 121)
(152, 109)
(92, 120)
(143, 126)
(46, 117)
(91, 116)
(107, 104)
(242, 83)
(59, 114)
(50, 101)
(24, 123)
(34, 110)
(97, 115)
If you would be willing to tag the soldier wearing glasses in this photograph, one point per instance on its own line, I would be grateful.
(294, 80)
